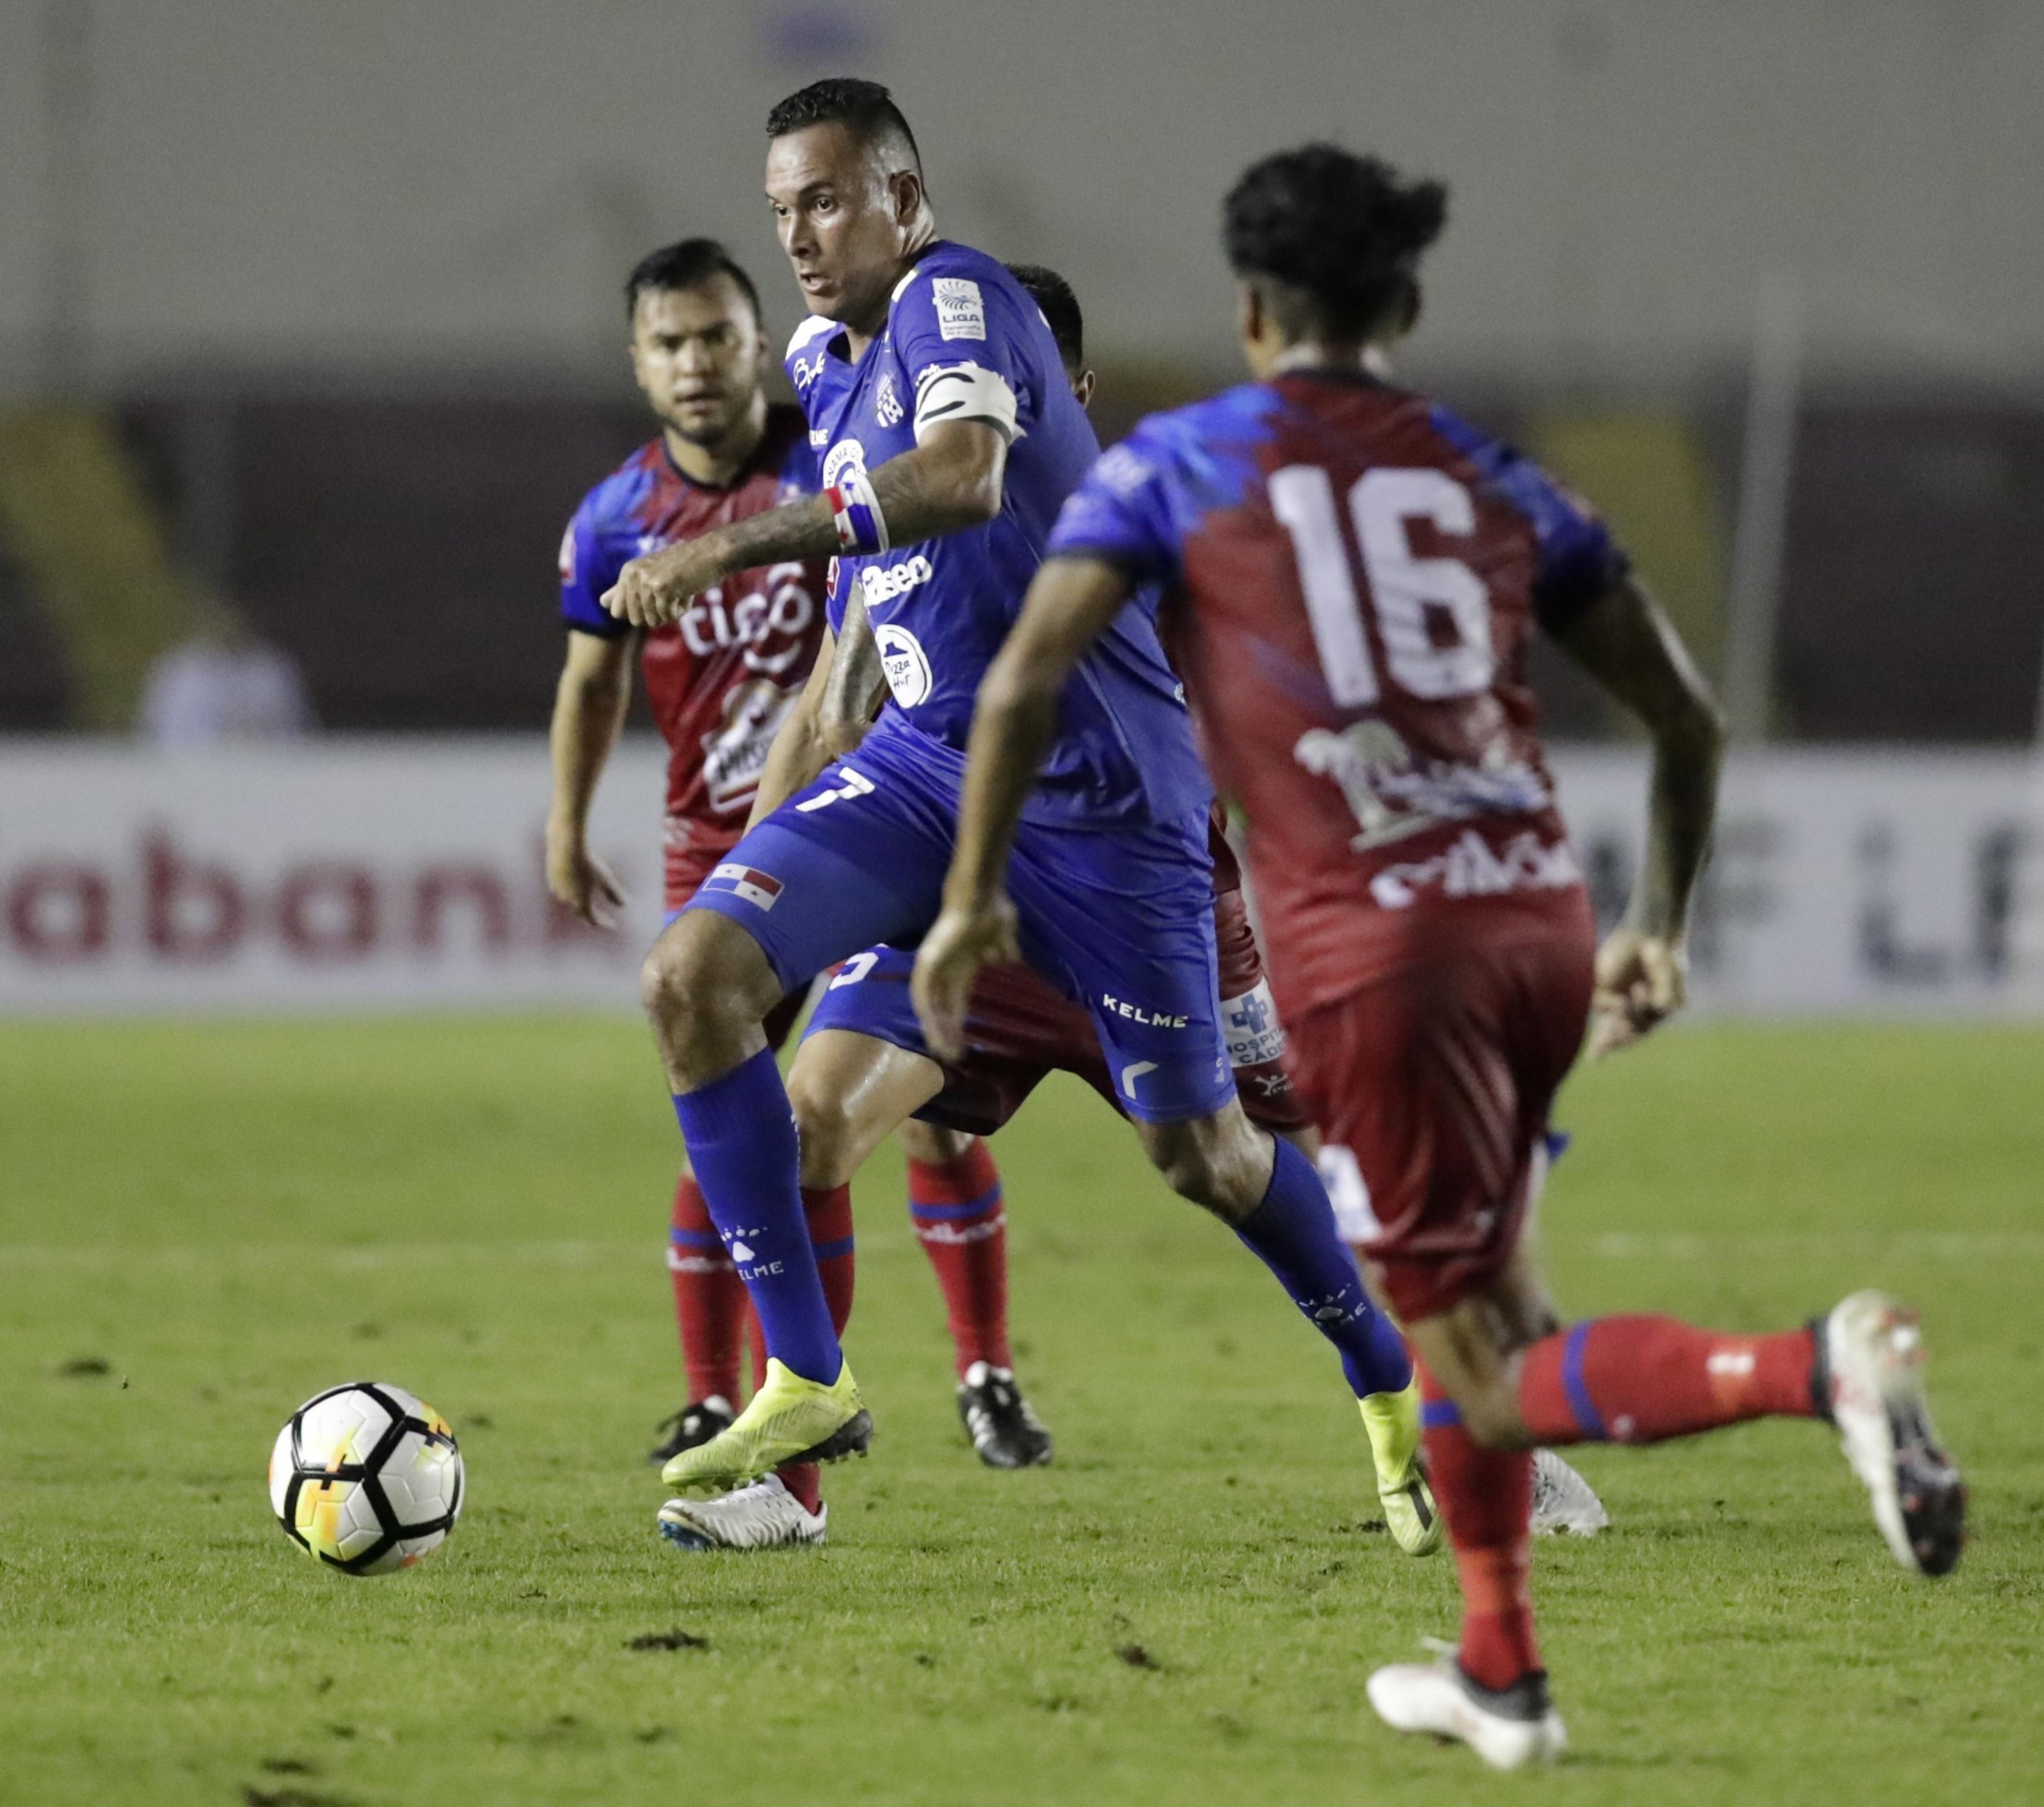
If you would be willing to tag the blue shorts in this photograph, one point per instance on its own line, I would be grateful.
(1120, 920)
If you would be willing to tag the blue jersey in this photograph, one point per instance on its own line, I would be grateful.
(964, 342)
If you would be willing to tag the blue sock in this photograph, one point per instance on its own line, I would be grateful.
(741, 1137)
(1292, 1234)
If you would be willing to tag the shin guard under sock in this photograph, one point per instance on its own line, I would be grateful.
(961, 1220)
(1293, 1233)
(1486, 1496)
(741, 1137)
(709, 1298)
(1641, 1380)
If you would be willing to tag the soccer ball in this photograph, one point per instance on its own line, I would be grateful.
(365, 1478)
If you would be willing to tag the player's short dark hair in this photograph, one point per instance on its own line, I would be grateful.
(687, 264)
(1343, 233)
(865, 109)
(1053, 294)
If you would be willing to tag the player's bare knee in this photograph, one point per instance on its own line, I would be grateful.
(663, 975)
(1218, 1162)
(697, 976)
(826, 1133)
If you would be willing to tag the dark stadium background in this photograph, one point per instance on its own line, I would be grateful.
(339, 297)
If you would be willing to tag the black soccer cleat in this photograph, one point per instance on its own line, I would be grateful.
(1004, 1433)
(694, 1423)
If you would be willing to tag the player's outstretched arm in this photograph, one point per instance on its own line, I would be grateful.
(1068, 607)
(800, 749)
(951, 479)
(588, 710)
(1628, 645)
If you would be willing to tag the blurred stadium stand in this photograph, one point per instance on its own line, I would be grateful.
(351, 320)
(402, 548)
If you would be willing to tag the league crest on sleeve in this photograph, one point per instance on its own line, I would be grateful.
(961, 311)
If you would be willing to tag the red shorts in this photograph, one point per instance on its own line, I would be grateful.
(1432, 1088)
(1021, 1027)
(685, 863)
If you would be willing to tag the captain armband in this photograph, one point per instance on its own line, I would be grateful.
(949, 392)
(855, 512)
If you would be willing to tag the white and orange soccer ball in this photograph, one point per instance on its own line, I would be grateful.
(365, 1478)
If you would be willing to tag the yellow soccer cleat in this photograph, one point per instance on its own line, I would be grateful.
(789, 1419)
(1393, 1420)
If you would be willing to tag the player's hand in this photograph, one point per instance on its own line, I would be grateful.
(579, 879)
(960, 942)
(1641, 980)
(652, 591)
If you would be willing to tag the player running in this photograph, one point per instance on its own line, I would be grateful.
(864, 1071)
(1355, 575)
(950, 437)
(721, 679)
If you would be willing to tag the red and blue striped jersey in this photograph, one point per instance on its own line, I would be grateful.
(1352, 577)
(722, 677)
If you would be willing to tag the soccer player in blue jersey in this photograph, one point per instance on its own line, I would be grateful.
(949, 438)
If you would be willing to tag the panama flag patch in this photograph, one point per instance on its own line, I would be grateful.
(761, 889)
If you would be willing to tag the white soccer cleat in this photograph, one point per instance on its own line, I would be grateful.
(1564, 1504)
(1869, 1382)
(1507, 1728)
(763, 1516)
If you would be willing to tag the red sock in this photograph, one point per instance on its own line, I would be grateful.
(956, 1206)
(1486, 1497)
(1638, 1380)
(709, 1298)
(830, 1213)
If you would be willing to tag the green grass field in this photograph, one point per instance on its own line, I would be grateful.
(200, 1225)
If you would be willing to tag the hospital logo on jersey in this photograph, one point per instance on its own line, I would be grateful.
(887, 404)
(1255, 1037)
(907, 667)
(761, 889)
(846, 458)
(961, 311)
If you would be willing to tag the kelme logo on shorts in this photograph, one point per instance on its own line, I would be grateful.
(1135, 1013)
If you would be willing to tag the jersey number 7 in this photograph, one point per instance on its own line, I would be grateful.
(1407, 595)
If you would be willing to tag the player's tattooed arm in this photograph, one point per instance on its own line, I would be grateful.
(856, 685)
(838, 706)
(800, 749)
(589, 709)
(951, 479)
(1625, 642)
(1069, 606)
